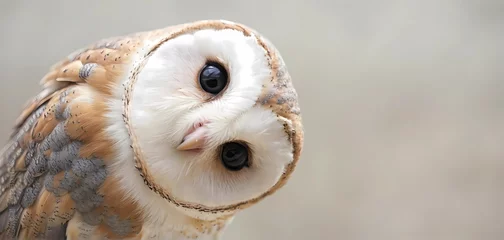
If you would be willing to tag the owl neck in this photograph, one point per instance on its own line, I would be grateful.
(148, 214)
(180, 222)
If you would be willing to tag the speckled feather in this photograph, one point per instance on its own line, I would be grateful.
(53, 170)
(53, 167)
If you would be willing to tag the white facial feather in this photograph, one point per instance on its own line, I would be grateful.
(167, 101)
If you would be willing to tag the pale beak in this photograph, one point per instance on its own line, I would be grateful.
(194, 140)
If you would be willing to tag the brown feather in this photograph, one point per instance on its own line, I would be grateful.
(38, 162)
(20, 163)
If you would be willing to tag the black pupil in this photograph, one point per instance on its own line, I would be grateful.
(213, 78)
(234, 156)
(212, 83)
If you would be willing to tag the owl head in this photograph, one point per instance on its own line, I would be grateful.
(212, 117)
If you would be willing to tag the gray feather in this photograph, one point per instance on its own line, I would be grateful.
(20, 189)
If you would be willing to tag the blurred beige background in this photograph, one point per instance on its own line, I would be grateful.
(403, 104)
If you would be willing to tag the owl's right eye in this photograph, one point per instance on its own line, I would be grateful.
(213, 78)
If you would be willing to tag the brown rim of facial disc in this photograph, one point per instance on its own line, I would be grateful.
(139, 159)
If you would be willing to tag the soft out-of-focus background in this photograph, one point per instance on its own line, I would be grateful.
(403, 104)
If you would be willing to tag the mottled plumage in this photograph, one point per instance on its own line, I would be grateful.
(89, 158)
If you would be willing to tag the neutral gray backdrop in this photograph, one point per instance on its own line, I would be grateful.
(403, 103)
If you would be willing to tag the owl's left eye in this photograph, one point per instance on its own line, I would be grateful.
(213, 78)
(234, 156)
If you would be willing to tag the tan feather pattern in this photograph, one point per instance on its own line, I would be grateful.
(54, 166)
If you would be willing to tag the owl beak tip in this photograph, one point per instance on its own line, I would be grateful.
(194, 140)
(195, 144)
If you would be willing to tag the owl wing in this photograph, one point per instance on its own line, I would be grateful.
(54, 162)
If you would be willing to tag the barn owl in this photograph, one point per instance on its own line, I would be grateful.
(163, 134)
